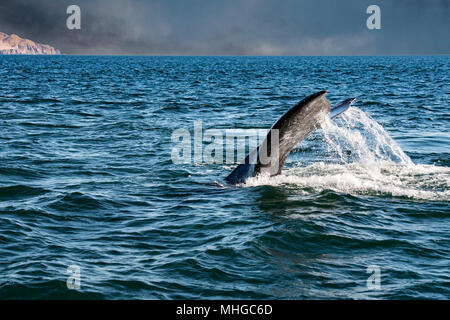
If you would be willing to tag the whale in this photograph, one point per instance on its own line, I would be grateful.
(294, 126)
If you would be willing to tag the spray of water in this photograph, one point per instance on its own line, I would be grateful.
(363, 137)
(365, 161)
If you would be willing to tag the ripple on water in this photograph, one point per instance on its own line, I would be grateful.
(86, 179)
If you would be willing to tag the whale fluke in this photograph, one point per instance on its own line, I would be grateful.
(292, 128)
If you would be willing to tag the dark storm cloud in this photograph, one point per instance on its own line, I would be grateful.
(233, 27)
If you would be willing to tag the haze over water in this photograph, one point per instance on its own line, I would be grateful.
(86, 179)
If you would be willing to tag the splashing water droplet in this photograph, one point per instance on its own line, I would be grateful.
(356, 137)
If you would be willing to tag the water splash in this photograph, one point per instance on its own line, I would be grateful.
(364, 160)
(364, 139)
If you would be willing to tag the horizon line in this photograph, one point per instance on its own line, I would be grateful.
(230, 55)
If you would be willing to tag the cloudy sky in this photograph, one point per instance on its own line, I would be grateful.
(233, 27)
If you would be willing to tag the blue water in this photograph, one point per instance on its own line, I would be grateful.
(87, 179)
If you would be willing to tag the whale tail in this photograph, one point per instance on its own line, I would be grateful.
(292, 128)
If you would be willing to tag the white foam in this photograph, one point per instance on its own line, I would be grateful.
(421, 182)
(367, 161)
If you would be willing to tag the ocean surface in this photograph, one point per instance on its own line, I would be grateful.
(90, 194)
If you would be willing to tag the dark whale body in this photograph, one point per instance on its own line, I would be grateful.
(292, 128)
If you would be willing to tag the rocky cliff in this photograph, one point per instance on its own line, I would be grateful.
(14, 44)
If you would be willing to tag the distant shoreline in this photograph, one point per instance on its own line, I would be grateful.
(230, 56)
(15, 45)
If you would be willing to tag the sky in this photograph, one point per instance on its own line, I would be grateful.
(233, 27)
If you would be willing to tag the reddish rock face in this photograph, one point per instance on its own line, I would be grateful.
(14, 44)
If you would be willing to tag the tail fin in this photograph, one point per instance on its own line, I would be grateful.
(294, 126)
(340, 107)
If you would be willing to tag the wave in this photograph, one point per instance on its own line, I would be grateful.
(15, 192)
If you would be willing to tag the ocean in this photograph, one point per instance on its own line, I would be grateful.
(92, 205)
